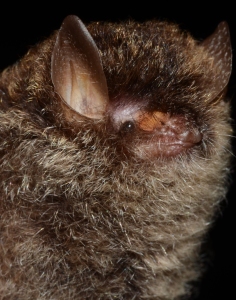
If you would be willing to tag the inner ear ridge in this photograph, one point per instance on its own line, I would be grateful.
(76, 54)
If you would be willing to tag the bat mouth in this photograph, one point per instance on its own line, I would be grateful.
(171, 149)
(170, 146)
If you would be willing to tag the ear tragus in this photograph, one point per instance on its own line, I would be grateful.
(219, 48)
(76, 70)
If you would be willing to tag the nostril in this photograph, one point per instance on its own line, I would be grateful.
(192, 136)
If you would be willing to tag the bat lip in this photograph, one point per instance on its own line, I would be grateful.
(183, 144)
(175, 148)
(185, 139)
(168, 147)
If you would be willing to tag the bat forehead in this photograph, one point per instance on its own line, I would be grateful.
(158, 59)
(125, 40)
(141, 57)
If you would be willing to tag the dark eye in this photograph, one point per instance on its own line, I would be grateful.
(127, 127)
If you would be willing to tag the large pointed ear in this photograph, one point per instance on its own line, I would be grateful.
(76, 70)
(219, 48)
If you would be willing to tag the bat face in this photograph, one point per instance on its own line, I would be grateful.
(156, 87)
(114, 155)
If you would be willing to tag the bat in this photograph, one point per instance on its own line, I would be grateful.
(114, 153)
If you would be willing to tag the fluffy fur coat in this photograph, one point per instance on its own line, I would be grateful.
(96, 203)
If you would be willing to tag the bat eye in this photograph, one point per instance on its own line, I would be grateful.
(127, 127)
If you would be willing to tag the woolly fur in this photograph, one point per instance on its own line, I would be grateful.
(83, 216)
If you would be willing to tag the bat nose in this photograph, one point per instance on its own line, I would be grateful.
(177, 135)
(191, 137)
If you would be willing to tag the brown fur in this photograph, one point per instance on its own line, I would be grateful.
(83, 216)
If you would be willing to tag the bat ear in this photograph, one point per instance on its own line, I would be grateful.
(219, 47)
(76, 70)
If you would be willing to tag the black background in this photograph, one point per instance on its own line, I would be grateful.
(23, 25)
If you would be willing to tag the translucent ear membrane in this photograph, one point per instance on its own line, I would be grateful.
(219, 48)
(77, 72)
